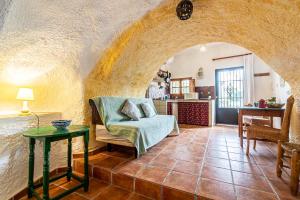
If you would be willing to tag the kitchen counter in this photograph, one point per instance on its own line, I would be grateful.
(188, 100)
(188, 111)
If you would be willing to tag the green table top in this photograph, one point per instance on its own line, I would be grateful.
(51, 132)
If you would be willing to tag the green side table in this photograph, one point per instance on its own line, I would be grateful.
(47, 135)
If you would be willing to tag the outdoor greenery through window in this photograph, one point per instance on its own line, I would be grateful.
(230, 84)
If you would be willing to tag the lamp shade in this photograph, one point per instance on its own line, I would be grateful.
(25, 94)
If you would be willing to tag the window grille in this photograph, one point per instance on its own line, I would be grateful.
(230, 88)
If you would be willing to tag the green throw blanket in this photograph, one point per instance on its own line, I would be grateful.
(143, 133)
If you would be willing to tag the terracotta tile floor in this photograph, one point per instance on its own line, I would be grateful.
(200, 163)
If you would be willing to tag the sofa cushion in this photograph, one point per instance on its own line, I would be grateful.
(148, 110)
(131, 110)
(110, 108)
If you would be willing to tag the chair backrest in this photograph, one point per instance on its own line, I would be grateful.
(285, 126)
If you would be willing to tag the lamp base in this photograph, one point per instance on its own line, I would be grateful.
(25, 114)
(25, 111)
(25, 108)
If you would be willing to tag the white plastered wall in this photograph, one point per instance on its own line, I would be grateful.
(187, 63)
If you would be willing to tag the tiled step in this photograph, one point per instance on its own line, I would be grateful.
(98, 190)
(123, 172)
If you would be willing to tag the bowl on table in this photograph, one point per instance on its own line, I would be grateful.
(61, 124)
(275, 105)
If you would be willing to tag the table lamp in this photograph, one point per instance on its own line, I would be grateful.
(25, 94)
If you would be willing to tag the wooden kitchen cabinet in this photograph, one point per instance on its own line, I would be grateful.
(194, 113)
(170, 108)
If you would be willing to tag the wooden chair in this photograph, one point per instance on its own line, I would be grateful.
(289, 153)
(265, 133)
(259, 121)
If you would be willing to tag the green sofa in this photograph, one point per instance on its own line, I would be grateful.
(144, 133)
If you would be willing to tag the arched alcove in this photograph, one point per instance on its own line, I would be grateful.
(210, 57)
(269, 29)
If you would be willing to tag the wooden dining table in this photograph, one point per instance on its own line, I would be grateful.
(255, 111)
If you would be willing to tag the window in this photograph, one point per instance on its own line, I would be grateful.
(175, 87)
(179, 87)
(185, 86)
(230, 87)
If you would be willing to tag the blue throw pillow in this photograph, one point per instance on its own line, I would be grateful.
(148, 110)
(131, 110)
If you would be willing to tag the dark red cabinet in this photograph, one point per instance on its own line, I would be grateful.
(169, 108)
(194, 113)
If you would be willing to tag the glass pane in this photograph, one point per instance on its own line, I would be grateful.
(230, 91)
(175, 91)
(175, 87)
(174, 83)
(185, 90)
(185, 83)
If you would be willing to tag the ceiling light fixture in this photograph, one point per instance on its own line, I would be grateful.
(184, 9)
(203, 48)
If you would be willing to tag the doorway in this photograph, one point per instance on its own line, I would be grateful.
(229, 94)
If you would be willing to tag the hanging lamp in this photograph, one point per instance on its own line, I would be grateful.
(184, 9)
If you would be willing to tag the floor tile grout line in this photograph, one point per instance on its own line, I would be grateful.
(268, 181)
(115, 167)
(121, 163)
(266, 178)
(172, 169)
(133, 193)
(109, 185)
(202, 166)
(111, 171)
(75, 192)
(148, 164)
(271, 186)
(162, 184)
(233, 183)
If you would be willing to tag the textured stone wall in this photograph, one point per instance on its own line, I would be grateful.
(4, 8)
(271, 29)
(14, 152)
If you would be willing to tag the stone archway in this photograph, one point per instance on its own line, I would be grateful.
(268, 28)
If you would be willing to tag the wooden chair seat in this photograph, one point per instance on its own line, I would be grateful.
(261, 121)
(264, 133)
(290, 147)
(249, 120)
(289, 157)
